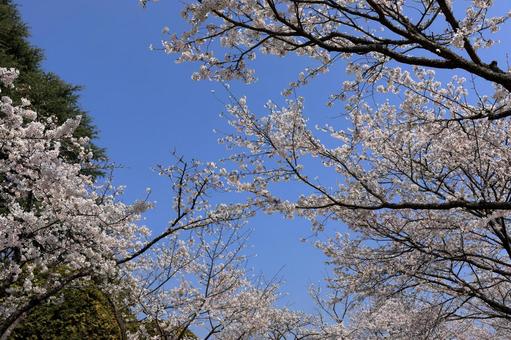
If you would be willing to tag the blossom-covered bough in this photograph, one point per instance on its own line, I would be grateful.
(418, 32)
(58, 228)
(53, 231)
(421, 175)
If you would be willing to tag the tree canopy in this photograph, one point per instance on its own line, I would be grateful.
(419, 175)
(64, 236)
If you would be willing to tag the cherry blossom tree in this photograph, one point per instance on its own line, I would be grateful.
(421, 173)
(213, 294)
(56, 229)
(59, 228)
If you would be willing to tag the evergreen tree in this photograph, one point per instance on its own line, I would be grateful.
(50, 96)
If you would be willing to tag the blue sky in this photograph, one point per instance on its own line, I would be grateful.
(145, 106)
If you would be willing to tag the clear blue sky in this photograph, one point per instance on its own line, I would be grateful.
(145, 105)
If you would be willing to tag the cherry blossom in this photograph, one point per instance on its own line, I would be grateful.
(419, 174)
(59, 228)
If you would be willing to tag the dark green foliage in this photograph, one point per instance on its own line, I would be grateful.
(85, 313)
(15, 51)
(50, 95)
(82, 313)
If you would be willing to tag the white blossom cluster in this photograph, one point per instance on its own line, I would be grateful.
(420, 174)
(59, 228)
(326, 30)
(425, 191)
(55, 227)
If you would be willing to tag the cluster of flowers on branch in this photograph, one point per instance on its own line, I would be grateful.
(419, 174)
(60, 228)
(426, 198)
